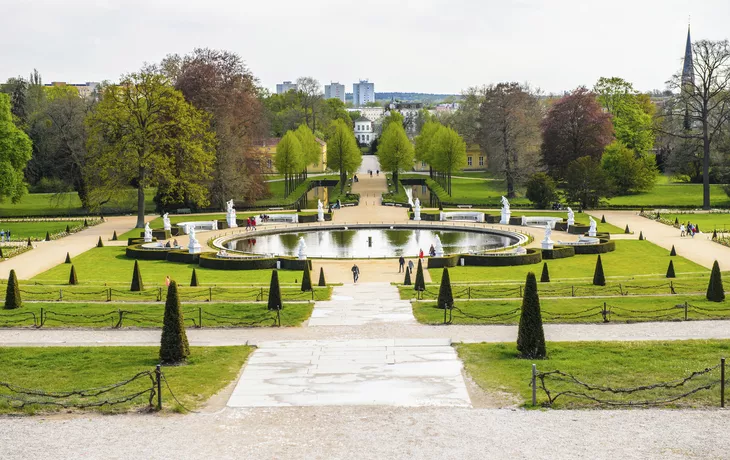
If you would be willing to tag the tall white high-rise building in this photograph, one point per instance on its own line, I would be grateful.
(363, 92)
(282, 88)
(334, 91)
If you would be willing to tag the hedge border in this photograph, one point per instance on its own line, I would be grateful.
(533, 256)
(136, 251)
(210, 260)
(558, 252)
(601, 248)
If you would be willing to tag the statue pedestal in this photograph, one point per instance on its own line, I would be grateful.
(148, 239)
(195, 248)
(591, 233)
(547, 244)
(505, 217)
(571, 222)
(231, 220)
(320, 215)
(417, 214)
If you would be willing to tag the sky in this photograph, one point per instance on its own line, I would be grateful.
(432, 46)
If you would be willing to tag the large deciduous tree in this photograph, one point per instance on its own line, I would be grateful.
(343, 154)
(575, 126)
(510, 117)
(310, 96)
(628, 172)
(423, 143)
(289, 159)
(586, 182)
(15, 151)
(631, 113)
(395, 151)
(448, 153)
(144, 133)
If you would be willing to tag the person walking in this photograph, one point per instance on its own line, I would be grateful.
(420, 253)
(355, 273)
(253, 222)
(410, 266)
(167, 281)
(681, 230)
(401, 264)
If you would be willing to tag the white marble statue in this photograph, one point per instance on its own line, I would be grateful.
(147, 233)
(166, 222)
(193, 246)
(571, 217)
(547, 243)
(524, 221)
(230, 215)
(592, 229)
(320, 211)
(301, 254)
(417, 210)
(438, 247)
(505, 212)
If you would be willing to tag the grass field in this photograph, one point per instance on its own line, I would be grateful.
(37, 230)
(110, 265)
(706, 221)
(150, 315)
(631, 258)
(496, 367)
(55, 369)
(673, 195)
(51, 204)
(578, 310)
(580, 218)
(157, 223)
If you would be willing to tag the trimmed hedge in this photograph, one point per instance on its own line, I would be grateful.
(158, 233)
(136, 251)
(558, 252)
(131, 241)
(579, 229)
(601, 248)
(441, 262)
(209, 260)
(305, 219)
(533, 256)
(182, 256)
(426, 216)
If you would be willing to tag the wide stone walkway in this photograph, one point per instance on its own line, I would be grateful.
(393, 372)
(360, 304)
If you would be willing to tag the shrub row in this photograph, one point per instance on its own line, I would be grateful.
(601, 248)
(558, 252)
(533, 256)
(209, 260)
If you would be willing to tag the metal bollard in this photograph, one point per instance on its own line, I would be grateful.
(534, 385)
(158, 378)
(722, 382)
(200, 317)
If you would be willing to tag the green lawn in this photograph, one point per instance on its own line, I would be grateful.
(707, 221)
(578, 310)
(476, 174)
(37, 230)
(106, 315)
(631, 258)
(55, 369)
(110, 265)
(673, 195)
(157, 222)
(496, 367)
(51, 204)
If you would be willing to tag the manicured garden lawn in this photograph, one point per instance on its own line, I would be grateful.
(37, 230)
(673, 195)
(54, 369)
(106, 315)
(110, 265)
(707, 221)
(51, 204)
(631, 258)
(496, 367)
(157, 222)
(577, 310)
(476, 174)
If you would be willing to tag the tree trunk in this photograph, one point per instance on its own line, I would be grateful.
(395, 180)
(705, 168)
(140, 206)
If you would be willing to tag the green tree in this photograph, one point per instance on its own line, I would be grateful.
(586, 182)
(306, 279)
(631, 113)
(545, 277)
(343, 154)
(194, 279)
(530, 335)
(12, 293)
(289, 159)
(143, 132)
(15, 152)
(627, 171)
(670, 270)
(395, 151)
(446, 297)
(420, 284)
(407, 280)
(448, 153)
(275, 292)
(541, 190)
(311, 150)
(137, 284)
(72, 278)
(423, 143)
(715, 289)
(598, 277)
(174, 347)
(392, 117)
(321, 277)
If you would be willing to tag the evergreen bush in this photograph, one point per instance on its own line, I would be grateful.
(321, 277)
(174, 348)
(530, 336)
(641, 236)
(30, 245)
(114, 236)
(194, 279)
(1, 253)
(545, 277)
(137, 284)
(86, 223)
(446, 297)
(306, 279)
(275, 292)
(72, 278)
(99, 244)
(48, 236)
(715, 289)
(407, 280)
(420, 281)
(603, 218)
(673, 252)
(676, 221)
(68, 258)
(714, 235)
(670, 270)
(627, 231)
(68, 229)
(598, 278)
(12, 294)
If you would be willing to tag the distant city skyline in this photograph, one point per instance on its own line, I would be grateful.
(555, 47)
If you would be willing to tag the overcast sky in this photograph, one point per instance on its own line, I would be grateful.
(435, 46)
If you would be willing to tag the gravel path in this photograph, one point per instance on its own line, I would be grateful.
(216, 337)
(374, 432)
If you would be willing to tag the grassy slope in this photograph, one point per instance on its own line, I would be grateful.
(41, 204)
(617, 364)
(24, 230)
(209, 369)
(669, 195)
(706, 221)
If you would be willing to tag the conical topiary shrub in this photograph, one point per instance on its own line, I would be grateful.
(86, 223)
(530, 336)
(174, 346)
(598, 278)
(641, 236)
(194, 279)
(68, 229)
(446, 297)
(321, 277)
(30, 245)
(407, 279)
(137, 284)
(715, 290)
(714, 235)
(114, 236)
(670, 270)
(676, 221)
(420, 281)
(275, 292)
(68, 258)
(603, 218)
(697, 228)
(48, 236)
(673, 252)
(1, 253)
(99, 244)
(627, 231)
(306, 278)
(545, 277)
(12, 294)
(72, 278)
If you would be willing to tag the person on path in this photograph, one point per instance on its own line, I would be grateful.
(355, 273)
(377, 173)
(681, 230)
(410, 266)
(8, 235)
(420, 253)
(253, 222)
(432, 251)
(167, 281)
(248, 223)
(401, 264)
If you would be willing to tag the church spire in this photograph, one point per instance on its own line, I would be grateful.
(688, 71)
